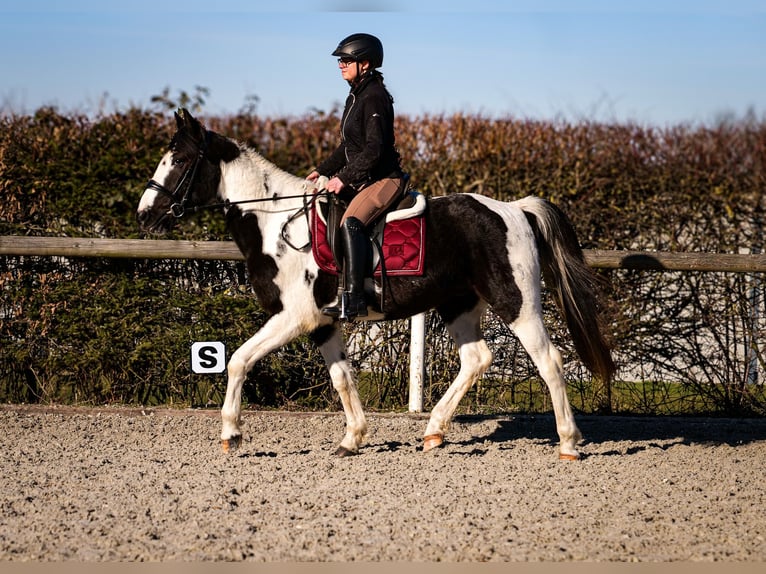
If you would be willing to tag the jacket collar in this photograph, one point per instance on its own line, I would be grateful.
(363, 81)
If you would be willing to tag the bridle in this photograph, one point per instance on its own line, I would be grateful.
(178, 207)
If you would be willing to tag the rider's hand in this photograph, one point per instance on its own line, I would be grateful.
(334, 185)
(313, 176)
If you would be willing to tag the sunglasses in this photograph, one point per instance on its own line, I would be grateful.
(345, 61)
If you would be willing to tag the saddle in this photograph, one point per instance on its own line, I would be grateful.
(398, 238)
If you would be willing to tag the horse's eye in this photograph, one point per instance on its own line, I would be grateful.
(178, 161)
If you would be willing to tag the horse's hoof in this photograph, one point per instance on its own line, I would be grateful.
(567, 456)
(343, 451)
(432, 441)
(230, 444)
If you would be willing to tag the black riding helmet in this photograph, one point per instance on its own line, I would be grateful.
(361, 47)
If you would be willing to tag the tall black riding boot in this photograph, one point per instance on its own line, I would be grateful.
(356, 246)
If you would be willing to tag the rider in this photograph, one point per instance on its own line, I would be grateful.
(365, 168)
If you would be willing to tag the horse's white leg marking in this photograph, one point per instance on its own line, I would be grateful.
(344, 382)
(547, 358)
(278, 330)
(475, 359)
(531, 331)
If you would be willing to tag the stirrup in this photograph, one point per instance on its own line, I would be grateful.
(350, 306)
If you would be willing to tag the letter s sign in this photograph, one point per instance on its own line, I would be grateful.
(208, 357)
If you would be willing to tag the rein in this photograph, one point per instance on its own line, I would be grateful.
(228, 203)
(179, 207)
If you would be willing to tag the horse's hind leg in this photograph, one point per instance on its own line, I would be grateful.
(330, 341)
(475, 358)
(534, 337)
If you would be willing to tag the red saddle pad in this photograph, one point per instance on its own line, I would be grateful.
(403, 246)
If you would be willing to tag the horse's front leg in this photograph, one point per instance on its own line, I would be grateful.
(278, 330)
(330, 342)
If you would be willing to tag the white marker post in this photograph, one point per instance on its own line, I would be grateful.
(417, 361)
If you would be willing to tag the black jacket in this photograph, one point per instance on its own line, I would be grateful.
(367, 151)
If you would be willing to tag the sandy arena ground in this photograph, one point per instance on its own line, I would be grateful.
(125, 484)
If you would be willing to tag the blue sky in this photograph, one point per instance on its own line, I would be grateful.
(652, 62)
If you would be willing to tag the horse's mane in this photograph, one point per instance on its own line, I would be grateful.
(226, 149)
(273, 171)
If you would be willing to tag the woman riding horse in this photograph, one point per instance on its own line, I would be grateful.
(365, 168)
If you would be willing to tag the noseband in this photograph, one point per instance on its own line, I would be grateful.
(178, 207)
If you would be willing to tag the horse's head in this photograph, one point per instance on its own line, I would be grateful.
(184, 179)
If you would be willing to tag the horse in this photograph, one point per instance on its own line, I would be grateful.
(479, 253)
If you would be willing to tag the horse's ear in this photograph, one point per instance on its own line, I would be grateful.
(183, 117)
(185, 120)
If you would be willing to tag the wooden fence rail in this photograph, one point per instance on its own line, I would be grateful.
(169, 249)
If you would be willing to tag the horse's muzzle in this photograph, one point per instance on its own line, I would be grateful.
(159, 225)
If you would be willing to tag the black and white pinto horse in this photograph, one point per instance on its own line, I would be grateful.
(480, 252)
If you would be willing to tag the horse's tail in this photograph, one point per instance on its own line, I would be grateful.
(571, 281)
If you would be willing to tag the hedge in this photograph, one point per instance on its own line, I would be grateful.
(102, 331)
